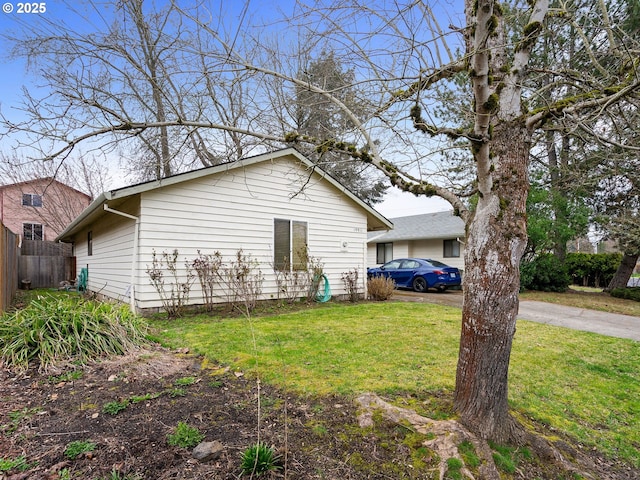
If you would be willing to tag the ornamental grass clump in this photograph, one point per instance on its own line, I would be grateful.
(56, 330)
(259, 459)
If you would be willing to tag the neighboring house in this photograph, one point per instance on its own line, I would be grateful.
(265, 205)
(40, 209)
(432, 235)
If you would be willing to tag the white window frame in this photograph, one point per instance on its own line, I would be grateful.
(293, 255)
(30, 235)
(28, 200)
(386, 249)
(453, 250)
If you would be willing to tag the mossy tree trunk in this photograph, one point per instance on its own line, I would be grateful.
(497, 237)
(497, 228)
(624, 272)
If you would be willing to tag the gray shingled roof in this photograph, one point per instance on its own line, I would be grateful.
(426, 226)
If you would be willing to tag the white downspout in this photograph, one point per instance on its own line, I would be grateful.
(134, 259)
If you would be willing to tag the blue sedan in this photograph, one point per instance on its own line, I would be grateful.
(420, 274)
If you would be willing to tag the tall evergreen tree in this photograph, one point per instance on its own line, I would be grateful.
(318, 117)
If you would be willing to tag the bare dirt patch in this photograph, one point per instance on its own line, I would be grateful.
(317, 438)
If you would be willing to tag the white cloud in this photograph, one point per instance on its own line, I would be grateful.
(402, 204)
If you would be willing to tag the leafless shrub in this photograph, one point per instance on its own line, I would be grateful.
(315, 269)
(207, 267)
(292, 284)
(243, 281)
(380, 288)
(173, 289)
(351, 284)
(300, 279)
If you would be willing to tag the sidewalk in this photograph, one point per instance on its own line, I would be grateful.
(603, 323)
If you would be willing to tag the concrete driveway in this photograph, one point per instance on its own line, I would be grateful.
(610, 324)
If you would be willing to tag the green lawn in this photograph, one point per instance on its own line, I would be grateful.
(580, 383)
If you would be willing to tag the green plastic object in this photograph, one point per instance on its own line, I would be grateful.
(324, 290)
(82, 280)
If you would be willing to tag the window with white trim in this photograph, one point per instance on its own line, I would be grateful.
(289, 244)
(451, 249)
(31, 200)
(32, 231)
(384, 252)
(90, 243)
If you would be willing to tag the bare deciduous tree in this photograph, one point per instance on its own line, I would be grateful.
(59, 208)
(139, 65)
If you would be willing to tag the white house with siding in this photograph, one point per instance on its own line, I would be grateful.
(254, 204)
(432, 235)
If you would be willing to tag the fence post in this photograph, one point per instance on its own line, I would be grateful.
(8, 267)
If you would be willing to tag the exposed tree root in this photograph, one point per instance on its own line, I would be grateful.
(449, 434)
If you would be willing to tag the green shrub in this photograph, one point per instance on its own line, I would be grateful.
(545, 273)
(630, 293)
(380, 288)
(185, 436)
(258, 459)
(52, 330)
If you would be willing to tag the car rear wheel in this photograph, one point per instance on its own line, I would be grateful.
(419, 284)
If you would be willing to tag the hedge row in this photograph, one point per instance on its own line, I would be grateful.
(592, 269)
(630, 293)
(546, 273)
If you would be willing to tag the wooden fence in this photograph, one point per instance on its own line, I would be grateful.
(45, 264)
(45, 249)
(8, 266)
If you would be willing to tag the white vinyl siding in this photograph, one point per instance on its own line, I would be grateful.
(433, 249)
(235, 210)
(110, 264)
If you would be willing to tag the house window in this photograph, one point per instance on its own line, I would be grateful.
(290, 244)
(90, 242)
(384, 252)
(32, 231)
(31, 200)
(451, 248)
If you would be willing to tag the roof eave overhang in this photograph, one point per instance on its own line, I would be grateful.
(375, 220)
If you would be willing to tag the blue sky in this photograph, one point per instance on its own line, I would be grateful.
(85, 16)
